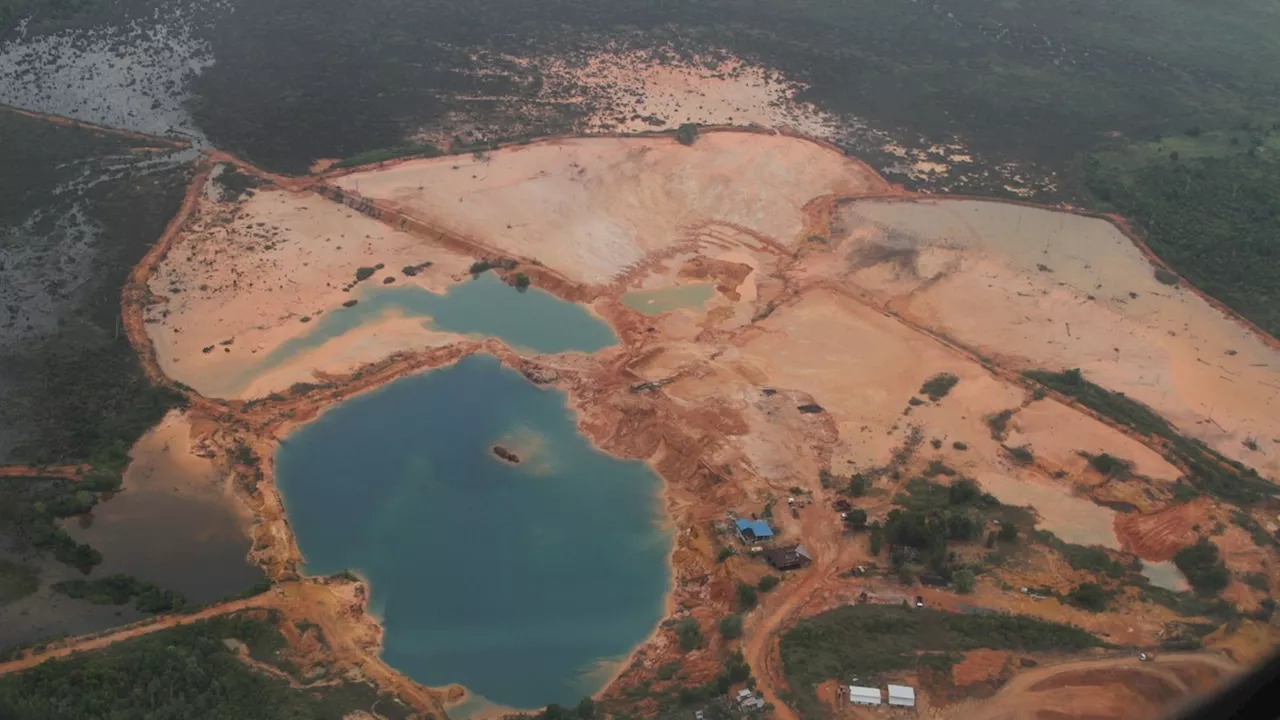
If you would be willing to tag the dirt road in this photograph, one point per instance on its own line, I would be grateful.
(1029, 690)
(822, 534)
(66, 472)
(98, 642)
(71, 122)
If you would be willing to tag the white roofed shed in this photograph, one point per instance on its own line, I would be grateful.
(902, 695)
(864, 695)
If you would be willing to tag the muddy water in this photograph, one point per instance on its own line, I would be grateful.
(526, 583)
(1166, 575)
(656, 302)
(530, 321)
(172, 523)
(1073, 519)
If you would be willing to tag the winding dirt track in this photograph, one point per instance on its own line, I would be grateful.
(30, 659)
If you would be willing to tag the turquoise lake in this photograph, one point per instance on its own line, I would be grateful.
(529, 321)
(526, 583)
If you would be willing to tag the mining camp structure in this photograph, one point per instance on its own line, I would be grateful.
(902, 695)
(753, 531)
(789, 557)
(864, 695)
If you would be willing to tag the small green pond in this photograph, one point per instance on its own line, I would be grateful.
(524, 582)
(656, 302)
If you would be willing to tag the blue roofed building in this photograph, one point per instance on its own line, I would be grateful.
(753, 530)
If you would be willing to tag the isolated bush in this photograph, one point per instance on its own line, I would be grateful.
(877, 538)
(522, 281)
(1203, 568)
(1021, 454)
(964, 580)
(688, 634)
(858, 519)
(747, 598)
(1089, 596)
(999, 424)
(364, 273)
(687, 134)
(767, 583)
(857, 486)
(1108, 465)
(731, 627)
(1008, 533)
(938, 386)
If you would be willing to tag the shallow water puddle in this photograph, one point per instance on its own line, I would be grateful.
(1074, 520)
(656, 302)
(530, 321)
(1165, 574)
(171, 523)
(524, 582)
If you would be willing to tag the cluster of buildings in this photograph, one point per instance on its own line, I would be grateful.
(899, 695)
(783, 557)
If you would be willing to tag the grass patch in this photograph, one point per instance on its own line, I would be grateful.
(1083, 557)
(16, 581)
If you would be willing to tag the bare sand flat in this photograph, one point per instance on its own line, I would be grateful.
(632, 91)
(863, 369)
(1044, 289)
(591, 208)
(242, 277)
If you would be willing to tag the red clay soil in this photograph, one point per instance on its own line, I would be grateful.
(979, 666)
(66, 472)
(1158, 536)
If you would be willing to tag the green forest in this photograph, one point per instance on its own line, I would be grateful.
(184, 673)
(1208, 204)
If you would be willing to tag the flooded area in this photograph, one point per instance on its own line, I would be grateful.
(172, 523)
(1058, 290)
(1166, 575)
(531, 321)
(656, 302)
(1074, 520)
(527, 582)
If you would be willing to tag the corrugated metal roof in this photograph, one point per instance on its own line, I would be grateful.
(864, 695)
(759, 528)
